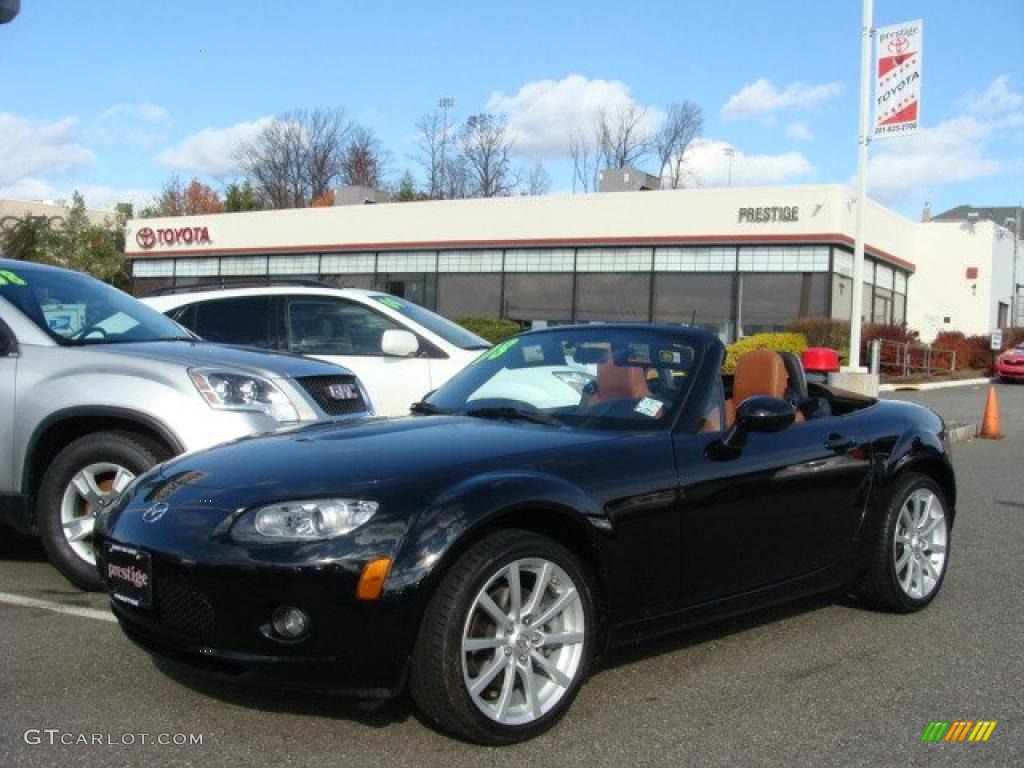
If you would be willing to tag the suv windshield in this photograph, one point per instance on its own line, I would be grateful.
(77, 309)
(594, 378)
(446, 329)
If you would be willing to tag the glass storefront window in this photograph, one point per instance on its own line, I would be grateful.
(613, 297)
(705, 301)
(770, 301)
(533, 297)
(842, 297)
(469, 295)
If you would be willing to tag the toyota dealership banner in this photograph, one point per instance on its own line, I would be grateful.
(898, 79)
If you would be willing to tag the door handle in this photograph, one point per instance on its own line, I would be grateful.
(841, 443)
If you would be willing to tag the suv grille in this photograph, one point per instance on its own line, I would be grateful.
(336, 395)
(184, 609)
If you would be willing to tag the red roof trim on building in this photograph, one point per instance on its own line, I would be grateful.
(825, 238)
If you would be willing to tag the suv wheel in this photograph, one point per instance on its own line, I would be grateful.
(84, 477)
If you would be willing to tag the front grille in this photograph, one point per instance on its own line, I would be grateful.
(319, 388)
(184, 609)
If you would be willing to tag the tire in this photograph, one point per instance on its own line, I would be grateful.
(483, 694)
(911, 554)
(86, 475)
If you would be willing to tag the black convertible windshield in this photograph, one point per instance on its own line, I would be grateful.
(594, 378)
(76, 309)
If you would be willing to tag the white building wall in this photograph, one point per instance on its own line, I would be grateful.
(940, 288)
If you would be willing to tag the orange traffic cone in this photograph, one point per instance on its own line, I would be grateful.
(990, 421)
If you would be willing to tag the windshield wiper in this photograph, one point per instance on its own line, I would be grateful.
(514, 414)
(428, 409)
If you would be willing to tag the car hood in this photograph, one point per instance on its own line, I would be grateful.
(369, 457)
(204, 354)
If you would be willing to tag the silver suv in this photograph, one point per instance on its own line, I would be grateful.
(96, 387)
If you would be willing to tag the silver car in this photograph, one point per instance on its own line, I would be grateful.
(96, 387)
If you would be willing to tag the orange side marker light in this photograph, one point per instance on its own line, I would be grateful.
(371, 582)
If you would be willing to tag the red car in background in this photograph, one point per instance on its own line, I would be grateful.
(1010, 364)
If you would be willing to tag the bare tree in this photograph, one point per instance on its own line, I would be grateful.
(623, 138)
(435, 152)
(538, 181)
(298, 157)
(585, 166)
(362, 163)
(487, 152)
(683, 123)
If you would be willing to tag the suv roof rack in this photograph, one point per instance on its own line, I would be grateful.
(301, 282)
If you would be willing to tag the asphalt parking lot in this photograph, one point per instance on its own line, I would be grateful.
(821, 682)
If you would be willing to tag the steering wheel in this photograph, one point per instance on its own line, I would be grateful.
(84, 332)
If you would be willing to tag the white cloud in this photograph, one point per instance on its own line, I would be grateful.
(97, 197)
(998, 98)
(143, 110)
(709, 166)
(762, 97)
(912, 166)
(211, 151)
(799, 131)
(31, 148)
(544, 114)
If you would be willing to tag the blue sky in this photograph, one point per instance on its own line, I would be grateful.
(113, 97)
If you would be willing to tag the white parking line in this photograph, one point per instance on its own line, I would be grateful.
(72, 610)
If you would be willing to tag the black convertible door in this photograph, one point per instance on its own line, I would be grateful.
(788, 505)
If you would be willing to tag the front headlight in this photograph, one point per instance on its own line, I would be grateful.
(241, 392)
(303, 520)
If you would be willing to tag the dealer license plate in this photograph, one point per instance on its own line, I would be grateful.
(129, 575)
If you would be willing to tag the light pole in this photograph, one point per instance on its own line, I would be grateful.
(444, 104)
(730, 152)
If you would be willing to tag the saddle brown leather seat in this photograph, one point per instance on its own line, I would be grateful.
(758, 372)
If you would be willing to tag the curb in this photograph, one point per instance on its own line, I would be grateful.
(924, 387)
(961, 433)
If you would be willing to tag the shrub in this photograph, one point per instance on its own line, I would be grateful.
(979, 352)
(1013, 336)
(780, 342)
(490, 328)
(888, 332)
(955, 342)
(822, 331)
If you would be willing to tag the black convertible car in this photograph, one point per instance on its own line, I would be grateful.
(573, 489)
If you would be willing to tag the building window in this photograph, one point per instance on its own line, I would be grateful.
(882, 306)
(196, 267)
(469, 295)
(540, 260)
(294, 265)
(469, 261)
(613, 297)
(613, 260)
(770, 301)
(143, 286)
(407, 261)
(783, 258)
(538, 297)
(705, 301)
(695, 259)
(348, 263)
(153, 268)
(243, 265)
(842, 297)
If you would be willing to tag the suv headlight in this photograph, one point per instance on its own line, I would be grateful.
(241, 392)
(303, 520)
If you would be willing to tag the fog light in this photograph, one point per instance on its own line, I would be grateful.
(290, 623)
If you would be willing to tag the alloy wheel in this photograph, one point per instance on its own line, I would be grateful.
(919, 544)
(91, 488)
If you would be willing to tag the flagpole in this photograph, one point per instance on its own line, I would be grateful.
(857, 294)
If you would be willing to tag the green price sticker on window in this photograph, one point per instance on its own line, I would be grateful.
(10, 278)
(500, 349)
(387, 301)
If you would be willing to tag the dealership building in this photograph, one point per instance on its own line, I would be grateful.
(734, 260)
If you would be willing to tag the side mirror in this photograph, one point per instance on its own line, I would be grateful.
(399, 343)
(755, 414)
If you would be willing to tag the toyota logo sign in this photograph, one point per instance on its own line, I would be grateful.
(145, 237)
